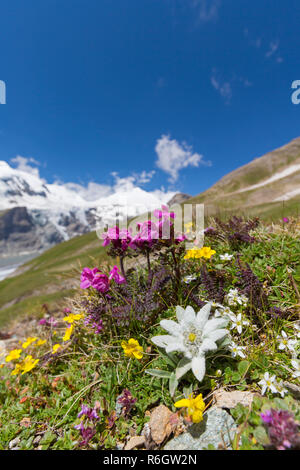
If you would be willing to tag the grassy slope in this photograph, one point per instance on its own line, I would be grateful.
(49, 277)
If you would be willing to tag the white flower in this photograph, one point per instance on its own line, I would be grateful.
(237, 322)
(237, 350)
(234, 299)
(188, 279)
(194, 335)
(285, 342)
(226, 257)
(297, 328)
(296, 366)
(223, 312)
(280, 389)
(268, 383)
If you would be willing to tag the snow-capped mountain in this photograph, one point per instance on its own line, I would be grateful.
(35, 214)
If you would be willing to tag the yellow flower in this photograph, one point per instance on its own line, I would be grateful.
(188, 227)
(197, 253)
(28, 364)
(132, 349)
(40, 342)
(55, 348)
(195, 407)
(17, 369)
(14, 354)
(73, 317)
(68, 333)
(207, 252)
(28, 342)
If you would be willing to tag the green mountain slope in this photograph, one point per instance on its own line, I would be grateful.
(50, 277)
(268, 186)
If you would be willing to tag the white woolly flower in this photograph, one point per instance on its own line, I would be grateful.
(194, 335)
(226, 257)
(237, 350)
(268, 383)
(237, 322)
(285, 342)
(234, 298)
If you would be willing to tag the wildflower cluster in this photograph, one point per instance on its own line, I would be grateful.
(283, 430)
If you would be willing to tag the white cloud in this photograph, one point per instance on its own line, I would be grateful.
(25, 164)
(91, 192)
(173, 156)
(206, 10)
(273, 47)
(223, 87)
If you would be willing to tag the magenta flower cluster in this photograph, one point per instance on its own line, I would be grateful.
(49, 322)
(99, 281)
(87, 425)
(126, 401)
(282, 428)
(148, 232)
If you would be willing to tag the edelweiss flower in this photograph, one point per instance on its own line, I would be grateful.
(237, 350)
(268, 383)
(237, 322)
(285, 342)
(226, 257)
(193, 335)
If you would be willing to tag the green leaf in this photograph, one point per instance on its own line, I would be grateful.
(261, 436)
(243, 367)
(236, 377)
(173, 384)
(162, 374)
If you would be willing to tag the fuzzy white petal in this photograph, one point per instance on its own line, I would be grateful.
(189, 315)
(208, 345)
(163, 341)
(198, 367)
(202, 315)
(171, 327)
(180, 313)
(183, 367)
(213, 324)
(216, 334)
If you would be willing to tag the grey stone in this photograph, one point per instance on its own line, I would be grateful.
(217, 428)
(13, 444)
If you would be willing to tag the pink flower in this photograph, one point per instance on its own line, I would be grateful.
(115, 274)
(118, 238)
(164, 213)
(87, 277)
(100, 282)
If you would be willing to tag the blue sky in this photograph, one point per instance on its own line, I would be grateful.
(189, 88)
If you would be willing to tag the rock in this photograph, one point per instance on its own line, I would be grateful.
(229, 400)
(3, 352)
(159, 424)
(178, 198)
(13, 444)
(293, 389)
(217, 428)
(136, 441)
(36, 441)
